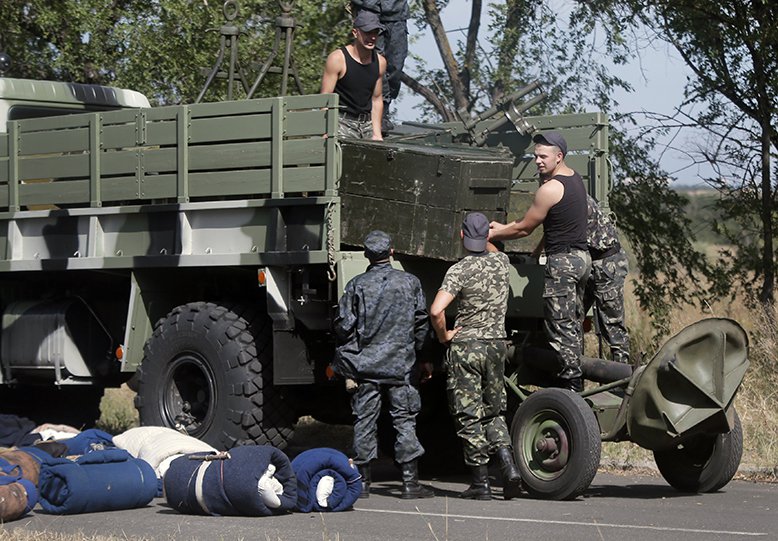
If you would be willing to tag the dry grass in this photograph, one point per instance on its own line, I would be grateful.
(757, 400)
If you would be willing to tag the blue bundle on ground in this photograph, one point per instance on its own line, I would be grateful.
(105, 480)
(17, 495)
(253, 480)
(326, 480)
(92, 439)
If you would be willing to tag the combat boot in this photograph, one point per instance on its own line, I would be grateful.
(479, 489)
(364, 471)
(412, 489)
(511, 477)
(573, 384)
(508, 468)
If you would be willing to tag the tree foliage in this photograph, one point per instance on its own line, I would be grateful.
(730, 113)
(162, 47)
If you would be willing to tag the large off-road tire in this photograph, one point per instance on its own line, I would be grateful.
(208, 369)
(556, 441)
(704, 463)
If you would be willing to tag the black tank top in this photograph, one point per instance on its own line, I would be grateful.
(565, 224)
(356, 87)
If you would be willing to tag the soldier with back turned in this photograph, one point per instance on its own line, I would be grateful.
(382, 323)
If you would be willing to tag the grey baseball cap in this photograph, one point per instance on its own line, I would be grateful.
(367, 21)
(552, 138)
(475, 228)
(378, 245)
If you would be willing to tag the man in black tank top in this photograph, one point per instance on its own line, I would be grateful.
(560, 205)
(354, 72)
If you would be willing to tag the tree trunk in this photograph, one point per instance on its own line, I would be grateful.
(768, 260)
(429, 95)
(439, 33)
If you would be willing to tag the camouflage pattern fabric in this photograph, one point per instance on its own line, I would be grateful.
(566, 274)
(481, 285)
(382, 322)
(352, 128)
(605, 289)
(601, 232)
(476, 396)
(404, 406)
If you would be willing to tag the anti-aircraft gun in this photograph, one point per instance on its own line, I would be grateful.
(196, 252)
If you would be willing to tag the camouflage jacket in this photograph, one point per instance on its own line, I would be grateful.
(382, 321)
(388, 10)
(480, 283)
(601, 234)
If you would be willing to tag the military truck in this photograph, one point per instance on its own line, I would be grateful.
(197, 253)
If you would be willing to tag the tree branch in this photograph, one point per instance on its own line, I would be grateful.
(432, 15)
(429, 95)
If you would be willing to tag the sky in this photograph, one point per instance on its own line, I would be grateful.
(657, 79)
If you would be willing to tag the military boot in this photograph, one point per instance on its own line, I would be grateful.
(412, 489)
(573, 384)
(511, 477)
(479, 489)
(364, 471)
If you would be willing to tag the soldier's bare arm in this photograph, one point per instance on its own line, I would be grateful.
(438, 317)
(334, 69)
(377, 110)
(548, 195)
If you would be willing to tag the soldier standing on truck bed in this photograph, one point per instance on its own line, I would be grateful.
(381, 325)
(605, 288)
(392, 43)
(560, 205)
(475, 362)
(354, 73)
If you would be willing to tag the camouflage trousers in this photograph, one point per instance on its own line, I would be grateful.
(393, 44)
(566, 275)
(352, 128)
(605, 289)
(476, 396)
(404, 406)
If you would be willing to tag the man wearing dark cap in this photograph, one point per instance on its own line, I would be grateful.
(560, 205)
(354, 73)
(475, 362)
(392, 43)
(381, 325)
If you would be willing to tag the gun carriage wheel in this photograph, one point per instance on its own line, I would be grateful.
(703, 463)
(556, 442)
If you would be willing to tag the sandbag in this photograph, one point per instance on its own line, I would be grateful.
(326, 480)
(30, 467)
(156, 444)
(253, 480)
(105, 480)
(17, 495)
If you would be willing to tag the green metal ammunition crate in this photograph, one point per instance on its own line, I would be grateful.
(419, 194)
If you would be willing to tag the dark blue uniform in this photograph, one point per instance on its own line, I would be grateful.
(381, 324)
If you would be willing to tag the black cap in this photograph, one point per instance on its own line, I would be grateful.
(552, 138)
(378, 245)
(475, 228)
(367, 21)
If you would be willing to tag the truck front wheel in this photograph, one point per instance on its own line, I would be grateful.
(207, 369)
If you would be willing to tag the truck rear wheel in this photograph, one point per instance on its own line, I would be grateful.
(704, 463)
(208, 369)
(556, 441)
